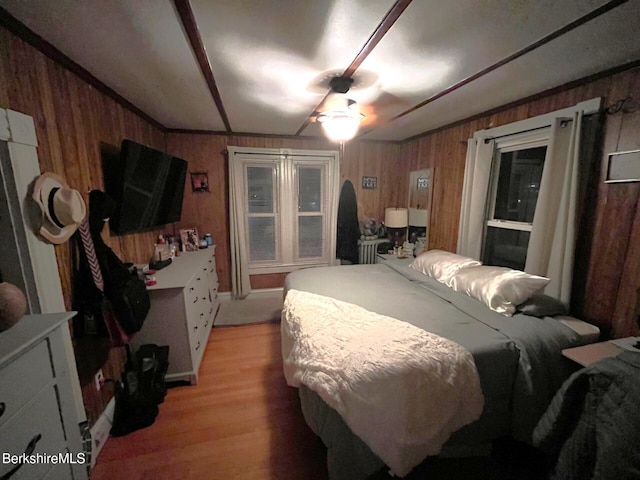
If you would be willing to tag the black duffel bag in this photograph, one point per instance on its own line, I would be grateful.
(141, 390)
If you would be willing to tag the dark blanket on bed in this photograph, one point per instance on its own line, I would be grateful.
(591, 430)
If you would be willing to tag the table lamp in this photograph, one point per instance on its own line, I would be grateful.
(396, 220)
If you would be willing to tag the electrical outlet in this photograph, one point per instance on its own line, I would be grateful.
(99, 378)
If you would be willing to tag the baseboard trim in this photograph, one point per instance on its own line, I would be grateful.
(101, 429)
(261, 293)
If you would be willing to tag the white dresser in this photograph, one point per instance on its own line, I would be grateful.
(184, 303)
(38, 411)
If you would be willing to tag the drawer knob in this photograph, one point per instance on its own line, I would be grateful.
(27, 452)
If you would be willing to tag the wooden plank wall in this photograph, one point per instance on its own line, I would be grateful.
(76, 127)
(208, 212)
(608, 291)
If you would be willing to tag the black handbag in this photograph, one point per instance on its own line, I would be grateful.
(126, 291)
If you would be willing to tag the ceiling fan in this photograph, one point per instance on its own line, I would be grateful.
(339, 115)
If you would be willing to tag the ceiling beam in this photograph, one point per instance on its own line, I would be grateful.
(544, 40)
(381, 30)
(193, 32)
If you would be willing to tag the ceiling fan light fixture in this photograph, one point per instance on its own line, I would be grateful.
(340, 127)
(342, 118)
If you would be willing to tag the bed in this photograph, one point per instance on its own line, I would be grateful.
(518, 358)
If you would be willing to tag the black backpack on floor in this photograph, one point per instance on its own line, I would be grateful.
(141, 390)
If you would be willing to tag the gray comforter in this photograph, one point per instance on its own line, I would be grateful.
(591, 430)
(518, 358)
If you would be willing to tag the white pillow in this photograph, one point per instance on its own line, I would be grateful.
(499, 288)
(441, 265)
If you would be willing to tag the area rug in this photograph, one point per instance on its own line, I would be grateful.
(249, 311)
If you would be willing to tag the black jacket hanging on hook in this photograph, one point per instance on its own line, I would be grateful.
(348, 226)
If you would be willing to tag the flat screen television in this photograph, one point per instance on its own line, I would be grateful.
(148, 187)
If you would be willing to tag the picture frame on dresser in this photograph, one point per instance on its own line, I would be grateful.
(189, 239)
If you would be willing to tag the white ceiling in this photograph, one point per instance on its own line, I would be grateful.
(271, 59)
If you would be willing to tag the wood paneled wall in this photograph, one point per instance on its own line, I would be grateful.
(608, 291)
(208, 212)
(76, 127)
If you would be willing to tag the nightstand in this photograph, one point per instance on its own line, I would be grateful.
(388, 257)
(592, 353)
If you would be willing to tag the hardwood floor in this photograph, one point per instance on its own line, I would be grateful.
(240, 422)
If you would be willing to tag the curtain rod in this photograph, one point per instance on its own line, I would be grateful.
(563, 124)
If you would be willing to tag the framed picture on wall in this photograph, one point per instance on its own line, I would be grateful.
(369, 183)
(189, 238)
(199, 182)
(623, 167)
(423, 183)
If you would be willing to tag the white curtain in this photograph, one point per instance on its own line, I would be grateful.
(552, 241)
(477, 174)
(550, 252)
(240, 282)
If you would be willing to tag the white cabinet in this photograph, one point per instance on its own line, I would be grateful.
(38, 414)
(184, 303)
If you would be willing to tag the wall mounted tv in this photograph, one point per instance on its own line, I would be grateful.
(148, 187)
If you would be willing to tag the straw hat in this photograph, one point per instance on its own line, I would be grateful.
(63, 208)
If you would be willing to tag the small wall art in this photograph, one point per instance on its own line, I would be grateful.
(199, 182)
(369, 183)
(423, 183)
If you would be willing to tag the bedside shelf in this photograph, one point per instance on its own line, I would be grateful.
(387, 257)
(592, 353)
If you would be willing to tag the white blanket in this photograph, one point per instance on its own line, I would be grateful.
(401, 389)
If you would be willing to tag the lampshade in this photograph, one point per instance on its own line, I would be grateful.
(418, 217)
(341, 119)
(396, 217)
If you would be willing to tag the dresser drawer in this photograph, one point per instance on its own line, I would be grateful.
(196, 325)
(41, 417)
(23, 378)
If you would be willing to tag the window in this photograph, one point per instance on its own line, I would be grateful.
(516, 213)
(514, 185)
(261, 213)
(289, 208)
